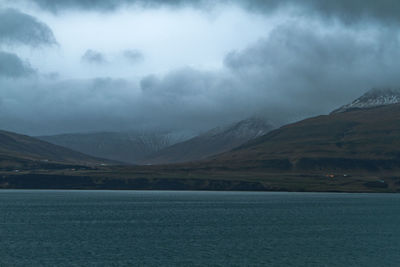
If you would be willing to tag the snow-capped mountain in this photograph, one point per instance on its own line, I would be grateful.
(129, 147)
(373, 98)
(215, 141)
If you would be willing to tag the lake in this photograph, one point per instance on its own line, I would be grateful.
(154, 228)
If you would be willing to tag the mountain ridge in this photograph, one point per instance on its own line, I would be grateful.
(360, 139)
(212, 142)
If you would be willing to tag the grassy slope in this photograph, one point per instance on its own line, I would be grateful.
(366, 140)
(23, 151)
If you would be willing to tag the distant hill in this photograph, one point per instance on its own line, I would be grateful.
(362, 139)
(215, 141)
(128, 147)
(21, 150)
(373, 98)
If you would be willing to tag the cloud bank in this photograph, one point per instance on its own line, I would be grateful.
(314, 57)
(293, 73)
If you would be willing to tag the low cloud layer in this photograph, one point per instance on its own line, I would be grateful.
(22, 29)
(293, 73)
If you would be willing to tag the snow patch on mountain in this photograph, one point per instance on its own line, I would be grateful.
(373, 98)
(246, 129)
(212, 142)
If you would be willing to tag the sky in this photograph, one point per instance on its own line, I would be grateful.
(119, 65)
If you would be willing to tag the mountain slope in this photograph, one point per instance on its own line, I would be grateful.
(373, 98)
(124, 147)
(367, 139)
(21, 148)
(213, 142)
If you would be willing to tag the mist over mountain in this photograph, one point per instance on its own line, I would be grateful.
(153, 147)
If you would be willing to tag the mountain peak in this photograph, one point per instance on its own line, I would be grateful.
(249, 128)
(212, 142)
(373, 98)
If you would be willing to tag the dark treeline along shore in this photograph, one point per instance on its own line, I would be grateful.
(354, 149)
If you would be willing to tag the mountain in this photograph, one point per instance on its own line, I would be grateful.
(373, 98)
(354, 151)
(21, 150)
(215, 141)
(360, 139)
(128, 147)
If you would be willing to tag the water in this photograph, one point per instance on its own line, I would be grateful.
(131, 228)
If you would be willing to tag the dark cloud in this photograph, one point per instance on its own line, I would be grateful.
(94, 57)
(348, 11)
(20, 28)
(108, 5)
(294, 72)
(133, 56)
(43, 106)
(301, 71)
(191, 99)
(12, 66)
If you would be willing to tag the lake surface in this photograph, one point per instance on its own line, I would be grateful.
(150, 228)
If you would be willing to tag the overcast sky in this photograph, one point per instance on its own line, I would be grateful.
(116, 65)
